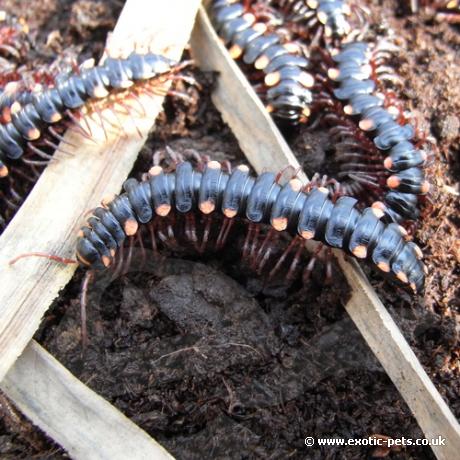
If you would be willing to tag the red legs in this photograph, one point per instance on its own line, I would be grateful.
(171, 234)
(56, 147)
(190, 229)
(35, 162)
(295, 261)
(160, 91)
(143, 254)
(294, 172)
(135, 97)
(187, 79)
(248, 243)
(151, 227)
(39, 152)
(206, 232)
(176, 157)
(311, 264)
(223, 234)
(60, 138)
(166, 235)
(227, 166)
(101, 123)
(255, 239)
(200, 159)
(129, 259)
(247, 5)
(120, 124)
(126, 111)
(78, 127)
(167, 154)
(265, 250)
(129, 108)
(179, 95)
(294, 242)
(53, 257)
(119, 262)
(89, 276)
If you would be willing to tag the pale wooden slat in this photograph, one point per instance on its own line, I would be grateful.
(49, 219)
(259, 138)
(83, 423)
(399, 361)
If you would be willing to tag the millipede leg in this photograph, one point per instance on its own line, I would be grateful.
(119, 264)
(77, 125)
(206, 232)
(311, 264)
(247, 240)
(56, 147)
(280, 261)
(252, 252)
(190, 229)
(153, 241)
(261, 256)
(60, 138)
(143, 254)
(171, 234)
(39, 152)
(130, 256)
(83, 304)
(138, 100)
(328, 262)
(295, 261)
(223, 233)
(35, 162)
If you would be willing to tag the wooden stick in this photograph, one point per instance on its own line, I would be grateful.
(49, 220)
(258, 138)
(82, 422)
(399, 361)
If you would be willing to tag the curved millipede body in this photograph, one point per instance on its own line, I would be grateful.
(403, 160)
(13, 37)
(261, 200)
(331, 14)
(70, 93)
(284, 65)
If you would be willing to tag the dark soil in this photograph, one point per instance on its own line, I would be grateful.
(214, 363)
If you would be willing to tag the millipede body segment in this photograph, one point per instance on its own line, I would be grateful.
(284, 65)
(404, 161)
(13, 38)
(308, 215)
(330, 14)
(70, 93)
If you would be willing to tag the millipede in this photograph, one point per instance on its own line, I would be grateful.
(283, 64)
(328, 17)
(404, 162)
(191, 193)
(13, 37)
(70, 94)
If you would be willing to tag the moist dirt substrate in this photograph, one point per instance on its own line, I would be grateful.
(212, 361)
